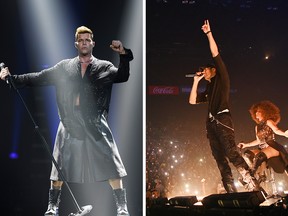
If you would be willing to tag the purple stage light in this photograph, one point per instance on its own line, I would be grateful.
(13, 155)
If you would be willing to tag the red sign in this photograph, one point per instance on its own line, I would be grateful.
(163, 90)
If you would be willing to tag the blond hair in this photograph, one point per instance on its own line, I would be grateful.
(83, 30)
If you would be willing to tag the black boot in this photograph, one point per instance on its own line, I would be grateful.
(262, 178)
(249, 157)
(121, 201)
(53, 202)
(258, 160)
(250, 182)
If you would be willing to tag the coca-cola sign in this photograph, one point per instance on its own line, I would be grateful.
(163, 90)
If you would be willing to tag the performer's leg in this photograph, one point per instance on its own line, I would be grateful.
(261, 172)
(223, 165)
(258, 160)
(228, 141)
(116, 183)
(248, 156)
(270, 152)
(226, 174)
(119, 194)
(54, 198)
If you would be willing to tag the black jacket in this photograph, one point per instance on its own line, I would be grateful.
(94, 88)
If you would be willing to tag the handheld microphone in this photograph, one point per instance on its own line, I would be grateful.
(7, 78)
(2, 66)
(193, 75)
(190, 75)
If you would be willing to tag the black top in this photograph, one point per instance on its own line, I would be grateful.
(94, 88)
(264, 132)
(217, 91)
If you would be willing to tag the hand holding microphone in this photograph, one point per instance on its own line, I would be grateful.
(197, 76)
(4, 74)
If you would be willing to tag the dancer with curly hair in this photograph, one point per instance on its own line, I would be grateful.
(266, 115)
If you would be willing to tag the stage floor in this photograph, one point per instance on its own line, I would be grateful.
(270, 207)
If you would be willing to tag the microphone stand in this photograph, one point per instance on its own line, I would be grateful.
(80, 211)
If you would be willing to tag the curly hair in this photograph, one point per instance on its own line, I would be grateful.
(269, 111)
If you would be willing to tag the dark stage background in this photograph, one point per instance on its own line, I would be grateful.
(25, 180)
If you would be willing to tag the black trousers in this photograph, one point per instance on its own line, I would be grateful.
(221, 136)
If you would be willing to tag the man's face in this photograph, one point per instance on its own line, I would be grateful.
(84, 44)
(209, 73)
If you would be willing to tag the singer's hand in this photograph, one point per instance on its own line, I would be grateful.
(4, 73)
(117, 46)
(199, 76)
(206, 27)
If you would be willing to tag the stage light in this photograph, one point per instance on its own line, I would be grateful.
(45, 26)
(237, 185)
(13, 155)
(17, 123)
(280, 188)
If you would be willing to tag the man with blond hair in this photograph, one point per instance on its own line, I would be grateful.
(84, 149)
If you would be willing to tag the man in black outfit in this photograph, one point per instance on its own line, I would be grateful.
(84, 148)
(219, 125)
